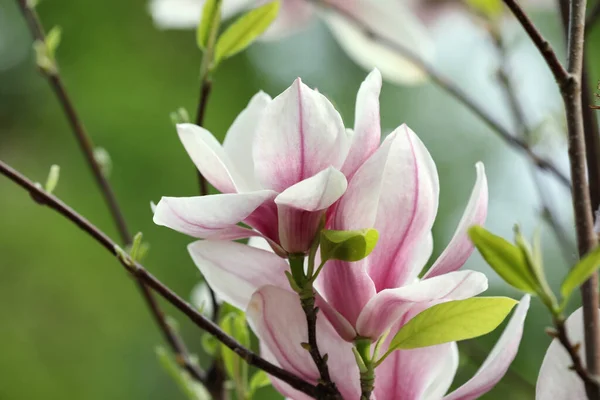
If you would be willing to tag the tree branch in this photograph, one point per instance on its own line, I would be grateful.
(449, 87)
(137, 270)
(562, 238)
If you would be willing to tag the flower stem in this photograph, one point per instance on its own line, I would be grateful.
(367, 368)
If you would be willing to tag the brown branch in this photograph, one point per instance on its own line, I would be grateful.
(81, 135)
(586, 237)
(573, 350)
(137, 270)
(567, 248)
(453, 90)
(87, 149)
(205, 90)
(560, 73)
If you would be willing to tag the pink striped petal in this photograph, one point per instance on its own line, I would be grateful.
(285, 389)
(235, 271)
(206, 216)
(301, 207)
(241, 135)
(277, 319)
(396, 192)
(300, 135)
(391, 305)
(337, 320)
(210, 158)
(556, 380)
(499, 359)
(460, 247)
(419, 374)
(367, 127)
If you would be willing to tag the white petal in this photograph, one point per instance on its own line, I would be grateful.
(185, 14)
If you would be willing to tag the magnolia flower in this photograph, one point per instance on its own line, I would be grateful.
(390, 19)
(557, 380)
(396, 192)
(420, 374)
(283, 163)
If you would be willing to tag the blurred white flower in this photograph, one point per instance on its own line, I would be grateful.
(202, 299)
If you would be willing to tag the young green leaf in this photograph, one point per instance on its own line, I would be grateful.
(259, 379)
(347, 245)
(506, 259)
(53, 41)
(192, 389)
(53, 177)
(580, 272)
(453, 321)
(245, 30)
(210, 21)
(491, 9)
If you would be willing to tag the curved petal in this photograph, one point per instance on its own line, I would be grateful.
(299, 135)
(293, 16)
(395, 191)
(205, 216)
(391, 305)
(210, 158)
(499, 359)
(301, 207)
(240, 137)
(235, 271)
(418, 374)
(556, 380)
(337, 320)
(367, 126)
(277, 319)
(279, 385)
(460, 247)
(185, 14)
(390, 20)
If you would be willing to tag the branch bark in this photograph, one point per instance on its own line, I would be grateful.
(138, 271)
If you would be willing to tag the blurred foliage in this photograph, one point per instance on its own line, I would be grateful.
(73, 325)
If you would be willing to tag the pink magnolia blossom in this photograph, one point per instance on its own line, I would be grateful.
(557, 381)
(282, 165)
(391, 19)
(420, 374)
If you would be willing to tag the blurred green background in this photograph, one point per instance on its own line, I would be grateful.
(72, 324)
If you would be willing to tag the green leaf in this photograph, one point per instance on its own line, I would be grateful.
(506, 259)
(245, 30)
(259, 379)
(52, 180)
(491, 9)
(234, 324)
(209, 23)
(210, 344)
(453, 321)
(53, 41)
(580, 272)
(348, 245)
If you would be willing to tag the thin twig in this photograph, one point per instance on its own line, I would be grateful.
(136, 269)
(573, 350)
(205, 90)
(584, 222)
(560, 73)
(87, 149)
(562, 238)
(83, 139)
(453, 90)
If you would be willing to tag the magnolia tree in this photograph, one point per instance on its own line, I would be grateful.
(318, 240)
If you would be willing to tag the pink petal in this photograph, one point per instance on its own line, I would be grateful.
(499, 359)
(301, 207)
(337, 320)
(396, 192)
(367, 127)
(391, 305)
(206, 216)
(556, 380)
(279, 322)
(300, 135)
(285, 389)
(460, 247)
(391, 20)
(210, 158)
(418, 374)
(235, 271)
(240, 137)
